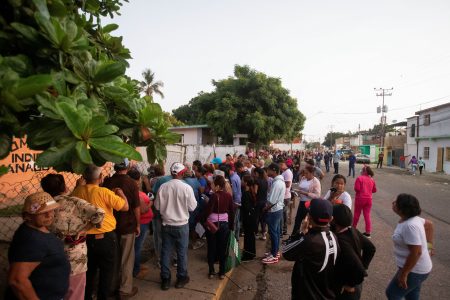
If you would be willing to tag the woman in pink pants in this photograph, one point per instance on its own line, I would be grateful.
(364, 187)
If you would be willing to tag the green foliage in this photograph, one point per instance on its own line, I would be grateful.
(251, 103)
(63, 84)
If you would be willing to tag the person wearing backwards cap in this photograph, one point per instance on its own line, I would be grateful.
(174, 201)
(314, 250)
(39, 268)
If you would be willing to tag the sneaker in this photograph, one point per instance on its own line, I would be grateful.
(263, 237)
(165, 284)
(197, 245)
(367, 235)
(267, 254)
(181, 282)
(142, 273)
(270, 260)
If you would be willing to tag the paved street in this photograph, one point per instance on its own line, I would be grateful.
(254, 281)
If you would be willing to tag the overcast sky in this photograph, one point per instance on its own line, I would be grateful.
(329, 54)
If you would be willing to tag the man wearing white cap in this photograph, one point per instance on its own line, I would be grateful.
(174, 201)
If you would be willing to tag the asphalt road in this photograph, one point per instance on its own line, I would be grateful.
(252, 280)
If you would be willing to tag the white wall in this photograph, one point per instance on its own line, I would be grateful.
(192, 136)
(430, 164)
(205, 153)
(439, 123)
(287, 147)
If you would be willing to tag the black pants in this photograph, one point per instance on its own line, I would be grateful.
(327, 166)
(351, 169)
(102, 255)
(250, 227)
(301, 214)
(420, 169)
(217, 247)
(260, 217)
(380, 163)
(336, 168)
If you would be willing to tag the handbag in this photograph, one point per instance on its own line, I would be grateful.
(210, 226)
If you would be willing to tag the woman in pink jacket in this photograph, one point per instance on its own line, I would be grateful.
(364, 187)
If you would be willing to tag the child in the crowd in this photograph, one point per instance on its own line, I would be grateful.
(337, 193)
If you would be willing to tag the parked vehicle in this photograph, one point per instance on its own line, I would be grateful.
(345, 153)
(362, 159)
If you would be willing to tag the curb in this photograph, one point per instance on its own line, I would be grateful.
(222, 285)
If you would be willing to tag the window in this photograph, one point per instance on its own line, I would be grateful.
(447, 153)
(412, 132)
(426, 120)
(426, 152)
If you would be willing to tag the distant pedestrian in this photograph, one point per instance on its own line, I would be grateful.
(421, 164)
(314, 250)
(413, 162)
(336, 159)
(380, 160)
(364, 188)
(413, 244)
(174, 201)
(356, 254)
(327, 159)
(318, 159)
(317, 171)
(351, 164)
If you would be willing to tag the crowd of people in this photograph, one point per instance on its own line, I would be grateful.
(87, 243)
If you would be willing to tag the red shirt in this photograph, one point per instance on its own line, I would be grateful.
(148, 216)
(364, 187)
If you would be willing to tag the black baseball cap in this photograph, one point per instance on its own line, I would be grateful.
(320, 210)
(274, 167)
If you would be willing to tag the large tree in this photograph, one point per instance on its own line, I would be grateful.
(250, 102)
(63, 85)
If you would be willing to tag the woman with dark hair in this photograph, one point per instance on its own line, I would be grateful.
(337, 193)
(364, 188)
(309, 188)
(413, 245)
(260, 189)
(220, 212)
(248, 215)
(356, 254)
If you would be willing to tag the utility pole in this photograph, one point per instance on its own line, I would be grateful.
(383, 92)
(331, 137)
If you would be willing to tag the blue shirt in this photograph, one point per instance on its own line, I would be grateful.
(195, 185)
(160, 182)
(351, 159)
(236, 187)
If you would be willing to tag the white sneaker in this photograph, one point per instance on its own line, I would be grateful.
(267, 254)
(270, 260)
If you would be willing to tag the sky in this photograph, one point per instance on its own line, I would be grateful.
(330, 55)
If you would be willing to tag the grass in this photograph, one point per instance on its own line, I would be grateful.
(11, 211)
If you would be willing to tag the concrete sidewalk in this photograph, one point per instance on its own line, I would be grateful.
(200, 286)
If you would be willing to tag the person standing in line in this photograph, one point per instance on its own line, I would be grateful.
(336, 159)
(357, 252)
(413, 246)
(288, 178)
(380, 160)
(174, 202)
(220, 211)
(236, 186)
(421, 164)
(260, 189)
(309, 188)
(101, 242)
(337, 193)
(128, 227)
(74, 218)
(314, 250)
(317, 171)
(413, 162)
(139, 271)
(248, 213)
(327, 159)
(351, 164)
(38, 266)
(195, 242)
(364, 188)
(318, 158)
(274, 208)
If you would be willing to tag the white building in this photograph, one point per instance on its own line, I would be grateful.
(428, 136)
(195, 134)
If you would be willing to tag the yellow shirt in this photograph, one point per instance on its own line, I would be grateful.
(103, 198)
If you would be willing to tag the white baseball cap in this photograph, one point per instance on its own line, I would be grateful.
(177, 168)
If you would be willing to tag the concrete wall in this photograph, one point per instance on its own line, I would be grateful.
(287, 147)
(190, 135)
(439, 123)
(431, 163)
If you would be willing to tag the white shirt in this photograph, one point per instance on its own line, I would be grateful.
(304, 186)
(174, 201)
(276, 194)
(344, 197)
(411, 232)
(288, 177)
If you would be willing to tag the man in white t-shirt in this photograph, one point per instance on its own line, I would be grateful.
(288, 177)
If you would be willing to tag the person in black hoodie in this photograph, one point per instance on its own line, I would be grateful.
(356, 254)
(248, 214)
(314, 251)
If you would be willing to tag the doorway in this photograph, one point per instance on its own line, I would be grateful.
(440, 159)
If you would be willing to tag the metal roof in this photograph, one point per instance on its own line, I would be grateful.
(190, 127)
(445, 105)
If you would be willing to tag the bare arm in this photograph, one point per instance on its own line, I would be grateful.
(429, 233)
(120, 193)
(18, 279)
(137, 213)
(415, 251)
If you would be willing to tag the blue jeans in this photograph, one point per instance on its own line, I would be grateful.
(237, 222)
(351, 169)
(414, 282)
(273, 220)
(139, 241)
(178, 237)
